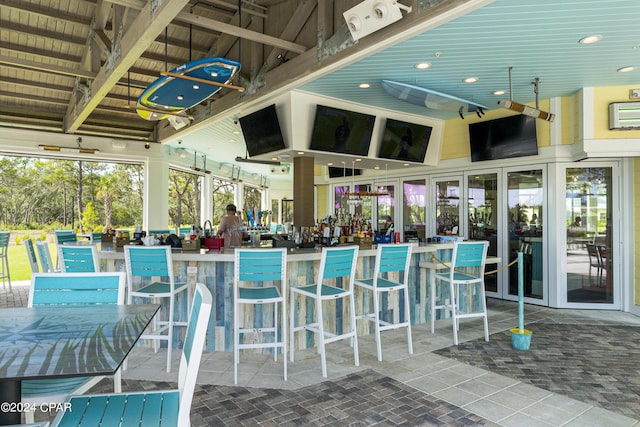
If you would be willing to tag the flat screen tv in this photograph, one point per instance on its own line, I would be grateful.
(513, 136)
(341, 131)
(261, 131)
(336, 172)
(404, 141)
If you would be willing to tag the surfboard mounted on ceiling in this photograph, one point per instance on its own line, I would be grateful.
(186, 86)
(432, 99)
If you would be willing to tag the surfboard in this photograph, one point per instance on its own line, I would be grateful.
(431, 99)
(185, 86)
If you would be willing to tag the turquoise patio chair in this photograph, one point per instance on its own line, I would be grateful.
(393, 259)
(78, 259)
(153, 408)
(155, 263)
(46, 263)
(336, 263)
(4, 259)
(31, 255)
(62, 290)
(255, 283)
(466, 269)
(65, 236)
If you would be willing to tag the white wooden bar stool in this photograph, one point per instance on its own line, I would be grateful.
(336, 263)
(389, 259)
(465, 269)
(256, 272)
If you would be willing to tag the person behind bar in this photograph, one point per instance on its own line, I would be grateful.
(230, 228)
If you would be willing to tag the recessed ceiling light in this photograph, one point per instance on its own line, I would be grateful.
(301, 152)
(236, 132)
(330, 164)
(180, 97)
(423, 65)
(196, 87)
(364, 85)
(376, 167)
(275, 159)
(498, 92)
(405, 164)
(591, 39)
(214, 74)
(470, 80)
(358, 159)
(627, 69)
(231, 140)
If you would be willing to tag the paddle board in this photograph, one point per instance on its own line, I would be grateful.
(431, 98)
(174, 94)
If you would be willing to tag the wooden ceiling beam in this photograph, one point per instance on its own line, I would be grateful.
(222, 27)
(143, 31)
(44, 12)
(47, 68)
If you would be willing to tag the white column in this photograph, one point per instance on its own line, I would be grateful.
(156, 192)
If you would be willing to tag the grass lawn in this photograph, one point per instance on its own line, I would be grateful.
(19, 267)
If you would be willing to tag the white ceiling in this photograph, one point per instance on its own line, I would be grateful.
(538, 39)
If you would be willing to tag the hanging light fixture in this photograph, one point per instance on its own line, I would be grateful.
(510, 104)
(78, 149)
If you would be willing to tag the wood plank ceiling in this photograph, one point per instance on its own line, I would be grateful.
(78, 66)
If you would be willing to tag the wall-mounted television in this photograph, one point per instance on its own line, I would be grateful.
(404, 141)
(336, 172)
(513, 136)
(341, 131)
(261, 131)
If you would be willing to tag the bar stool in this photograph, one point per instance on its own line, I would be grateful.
(4, 259)
(389, 259)
(155, 262)
(471, 257)
(335, 263)
(255, 274)
(78, 259)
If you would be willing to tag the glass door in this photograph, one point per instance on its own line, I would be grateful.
(525, 225)
(482, 207)
(414, 215)
(589, 235)
(448, 209)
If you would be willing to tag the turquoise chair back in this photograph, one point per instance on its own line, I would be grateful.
(338, 262)
(149, 261)
(31, 256)
(394, 257)
(4, 240)
(65, 236)
(165, 232)
(54, 289)
(469, 254)
(183, 230)
(78, 259)
(261, 266)
(96, 237)
(45, 257)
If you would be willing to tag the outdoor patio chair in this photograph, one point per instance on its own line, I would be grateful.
(31, 255)
(63, 290)
(46, 263)
(339, 264)
(153, 408)
(155, 264)
(4, 259)
(256, 272)
(78, 259)
(466, 269)
(392, 259)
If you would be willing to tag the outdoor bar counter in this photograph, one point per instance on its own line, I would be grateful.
(214, 268)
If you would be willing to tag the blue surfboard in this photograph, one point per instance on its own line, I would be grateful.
(431, 99)
(175, 94)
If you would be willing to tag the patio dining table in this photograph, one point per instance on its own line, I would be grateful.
(54, 342)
